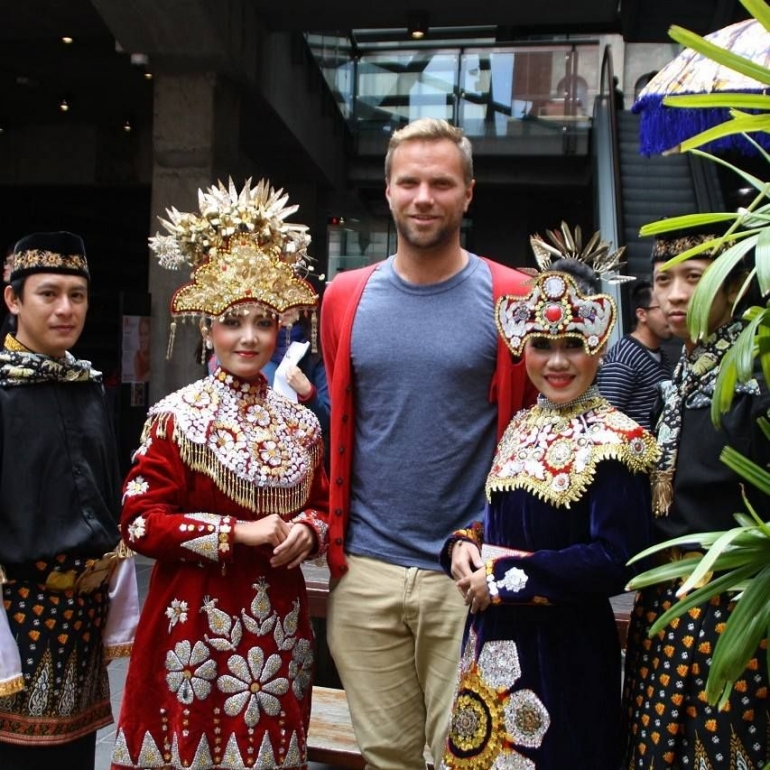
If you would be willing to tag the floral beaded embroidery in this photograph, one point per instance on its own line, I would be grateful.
(514, 580)
(254, 681)
(137, 528)
(489, 718)
(552, 450)
(190, 671)
(258, 447)
(137, 486)
(141, 449)
(176, 612)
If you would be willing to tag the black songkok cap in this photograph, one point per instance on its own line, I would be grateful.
(60, 252)
(670, 245)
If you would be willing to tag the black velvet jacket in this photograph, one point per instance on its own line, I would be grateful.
(59, 475)
(706, 492)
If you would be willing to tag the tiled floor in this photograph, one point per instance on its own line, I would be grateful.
(117, 671)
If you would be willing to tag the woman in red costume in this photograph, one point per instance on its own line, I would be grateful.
(228, 494)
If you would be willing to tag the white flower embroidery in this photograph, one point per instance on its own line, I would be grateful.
(137, 486)
(270, 453)
(176, 613)
(258, 415)
(229, 443)
(137, 528)
(253, 687)
(514, 580)
(199, 399)
(142, 449)
(224, 440)
(190, 672)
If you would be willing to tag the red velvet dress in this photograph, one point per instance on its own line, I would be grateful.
(221, 673)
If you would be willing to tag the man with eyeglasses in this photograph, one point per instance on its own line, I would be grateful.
(636, 363)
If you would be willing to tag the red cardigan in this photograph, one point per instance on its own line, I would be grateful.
(510, 390)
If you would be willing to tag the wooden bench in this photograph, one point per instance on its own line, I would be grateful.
(330, 738)
(317, 580)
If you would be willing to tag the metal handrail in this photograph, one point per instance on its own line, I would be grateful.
(607, 89)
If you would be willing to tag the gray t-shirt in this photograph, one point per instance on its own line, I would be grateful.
(423, 360)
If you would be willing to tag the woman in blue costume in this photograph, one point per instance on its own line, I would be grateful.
(569, 504)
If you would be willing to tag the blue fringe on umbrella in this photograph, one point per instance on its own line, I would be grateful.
(662, 128)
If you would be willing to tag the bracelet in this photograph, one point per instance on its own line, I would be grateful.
(455, 542)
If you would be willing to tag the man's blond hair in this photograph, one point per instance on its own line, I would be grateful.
(432, 130)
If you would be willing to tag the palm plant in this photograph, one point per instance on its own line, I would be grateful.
(737, 560)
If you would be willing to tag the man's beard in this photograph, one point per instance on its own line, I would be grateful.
(424, 240)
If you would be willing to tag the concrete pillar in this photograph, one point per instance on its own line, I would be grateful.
(195, 142)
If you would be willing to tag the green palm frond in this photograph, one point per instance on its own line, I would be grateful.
(736, 561)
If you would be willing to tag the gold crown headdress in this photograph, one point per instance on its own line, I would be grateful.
(597, 254)
(242, 252)
(555, 307)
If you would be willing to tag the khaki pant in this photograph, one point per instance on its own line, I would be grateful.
(395, 635)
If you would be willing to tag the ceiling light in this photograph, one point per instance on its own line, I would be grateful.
(417, 24)
(127, 126)
(67, 40)
(64, 105)
(148, 75)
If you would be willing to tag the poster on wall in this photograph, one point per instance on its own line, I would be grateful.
(135, 365)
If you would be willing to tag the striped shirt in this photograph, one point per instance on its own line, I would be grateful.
(629, 376)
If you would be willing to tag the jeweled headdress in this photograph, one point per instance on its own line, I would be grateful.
(597, 254)
(242, 252)
(555, 307)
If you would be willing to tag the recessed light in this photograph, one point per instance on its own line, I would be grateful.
(64, 105)
(67, 40)
(148, 75)
(127, 126)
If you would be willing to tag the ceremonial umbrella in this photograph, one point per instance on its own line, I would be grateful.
(663, 128)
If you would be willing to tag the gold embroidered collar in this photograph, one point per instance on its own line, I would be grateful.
(552, 450)
(258, 447)
(12, 344)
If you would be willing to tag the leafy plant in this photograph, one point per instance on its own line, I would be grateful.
(740, 557)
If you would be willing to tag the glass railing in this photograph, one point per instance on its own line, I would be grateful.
(499, 95)
(334, 56)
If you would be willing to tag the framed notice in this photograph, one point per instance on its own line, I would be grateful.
(135, 363)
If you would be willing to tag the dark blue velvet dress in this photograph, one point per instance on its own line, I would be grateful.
(539, 680)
